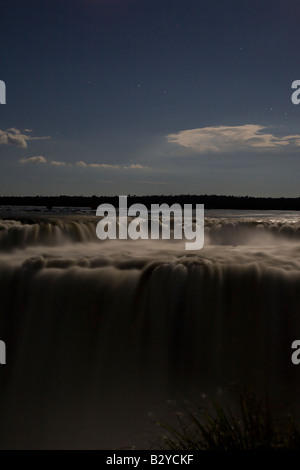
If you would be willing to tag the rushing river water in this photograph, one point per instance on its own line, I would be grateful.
(99, 335)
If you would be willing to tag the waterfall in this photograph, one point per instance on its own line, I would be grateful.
(99, 333)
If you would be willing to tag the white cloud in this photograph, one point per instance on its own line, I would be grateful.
(55, 163)
(232, 138)
(17, 138)
(136, 166)
(103, 165)
(133, 166)
(82, 164)
(97, 165)
(38, 159)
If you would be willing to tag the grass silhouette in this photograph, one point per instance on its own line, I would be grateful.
(247, 425)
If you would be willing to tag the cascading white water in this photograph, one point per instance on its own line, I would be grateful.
(100, 333)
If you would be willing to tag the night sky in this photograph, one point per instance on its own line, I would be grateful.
(114, 97)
